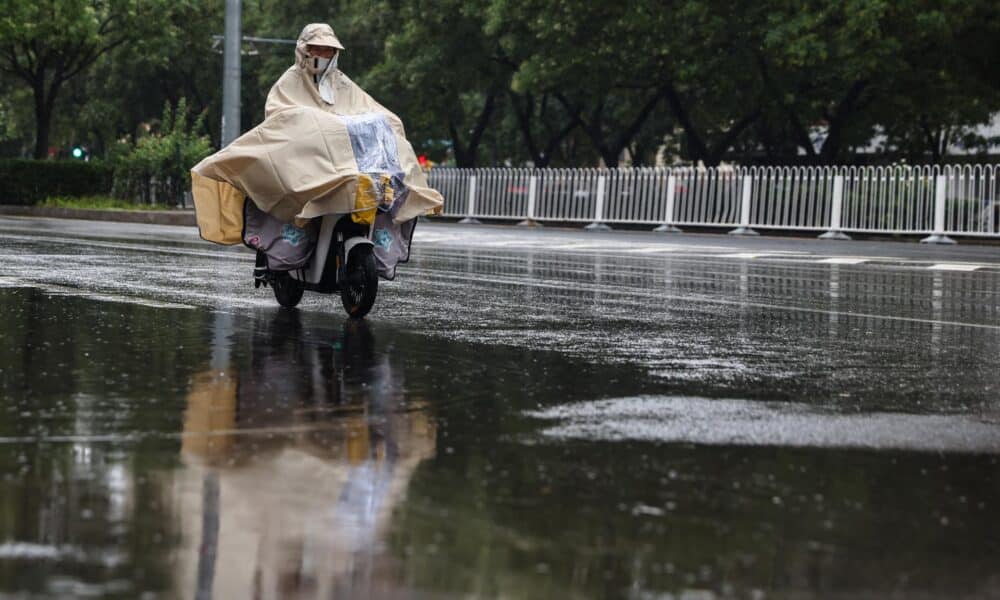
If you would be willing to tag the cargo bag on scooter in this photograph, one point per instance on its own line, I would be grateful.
(286, 246)
(392, 243)
(376, 153)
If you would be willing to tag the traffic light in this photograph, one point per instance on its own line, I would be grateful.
(79, 152)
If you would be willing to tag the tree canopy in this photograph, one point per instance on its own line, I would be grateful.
(541, 82)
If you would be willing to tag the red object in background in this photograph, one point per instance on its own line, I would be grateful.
(422, 159)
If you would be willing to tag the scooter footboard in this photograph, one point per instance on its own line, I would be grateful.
(324, 244)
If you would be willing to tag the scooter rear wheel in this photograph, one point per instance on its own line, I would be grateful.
(287, 290)
(360, 284)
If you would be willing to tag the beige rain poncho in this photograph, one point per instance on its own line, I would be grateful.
(310, 158)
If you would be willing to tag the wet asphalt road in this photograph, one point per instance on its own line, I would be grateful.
(525, 414)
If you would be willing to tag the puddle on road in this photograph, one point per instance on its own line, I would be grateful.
(281, 453)
(728, 422)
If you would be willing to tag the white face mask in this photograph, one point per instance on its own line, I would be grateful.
(326, 81)
(320, 63)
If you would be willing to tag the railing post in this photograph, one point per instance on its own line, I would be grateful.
(470, 213)
(744, 228)
(599, 224)
(836, 212)
(668, 220)
(530, 221)
(940, 194)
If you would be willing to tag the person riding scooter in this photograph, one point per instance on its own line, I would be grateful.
(329, 174)
(316, 53)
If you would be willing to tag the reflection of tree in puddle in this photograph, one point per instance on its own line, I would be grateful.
(297, 457)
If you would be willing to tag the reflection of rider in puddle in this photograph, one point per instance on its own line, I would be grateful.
(311, 451)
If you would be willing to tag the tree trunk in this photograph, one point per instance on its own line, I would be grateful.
(610, 147)
(837, 121)
(43, 122)
(457, 147)
(692, 139)
(610, 155)
(831, 145)
(697, 143)
(524, 123)
(767, 140)
(799, 131)
(465, 154)
(937, 140)
(45, 103)
(715, 154)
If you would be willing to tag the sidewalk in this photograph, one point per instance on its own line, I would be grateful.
(444, 231)
(149, 217)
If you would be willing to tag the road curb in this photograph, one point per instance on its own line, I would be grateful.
(150, 217)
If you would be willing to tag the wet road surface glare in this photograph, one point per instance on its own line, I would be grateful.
(512, 420)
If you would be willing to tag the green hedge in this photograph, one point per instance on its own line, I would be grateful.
(28, 182)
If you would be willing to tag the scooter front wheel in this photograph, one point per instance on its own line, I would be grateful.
(287, 290)
(360, 284)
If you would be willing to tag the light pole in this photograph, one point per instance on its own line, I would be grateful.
(231, 73)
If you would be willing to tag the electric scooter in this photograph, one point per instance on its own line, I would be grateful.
(343, 261)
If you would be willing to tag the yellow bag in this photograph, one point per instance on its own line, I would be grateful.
(371, 193)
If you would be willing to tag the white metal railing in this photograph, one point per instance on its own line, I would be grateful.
(935, 200)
